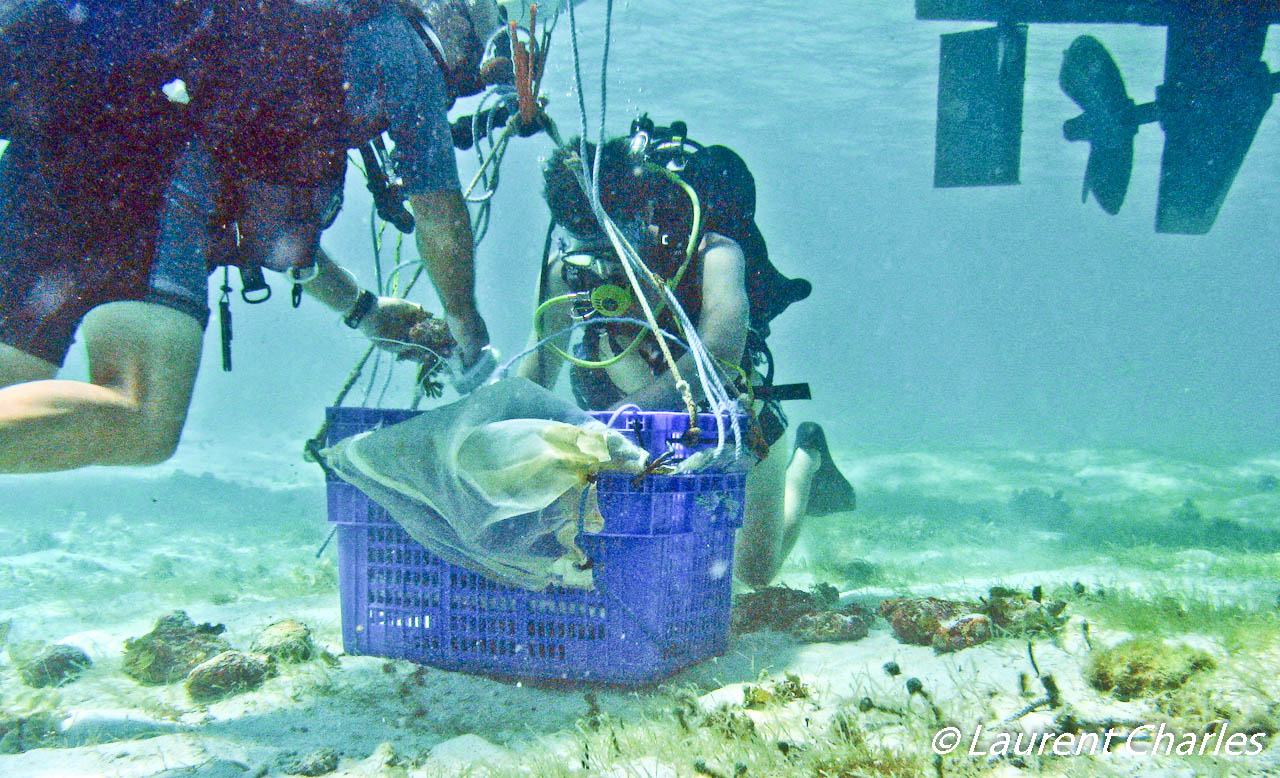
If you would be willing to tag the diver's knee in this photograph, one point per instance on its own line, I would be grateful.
(154, 450)
(144, 438)
(160, 434)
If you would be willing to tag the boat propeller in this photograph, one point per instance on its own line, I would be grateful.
(1110, 120)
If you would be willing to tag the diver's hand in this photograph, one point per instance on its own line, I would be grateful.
(388, 325)
(472, 336)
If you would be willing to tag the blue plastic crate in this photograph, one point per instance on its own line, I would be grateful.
(662, 569)
(658, 431)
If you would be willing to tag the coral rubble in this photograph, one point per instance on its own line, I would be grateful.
(228, 673)
(168, 653)
(952, 625)
(815, 616)
(961, 632)
(288, 641)
(920, 621)
(1013, 612)
(772, 608)
(1144, 666)
(54, 666)
(829, 627)
(319, 762)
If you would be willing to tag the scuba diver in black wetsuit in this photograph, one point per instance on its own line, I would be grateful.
(689, 212)
(152, 140)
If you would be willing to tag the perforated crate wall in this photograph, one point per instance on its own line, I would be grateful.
(662, 569)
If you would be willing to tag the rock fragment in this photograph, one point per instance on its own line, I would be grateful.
(55, 665)
(227, 674)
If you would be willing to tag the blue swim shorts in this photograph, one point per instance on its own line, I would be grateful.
(82, 225)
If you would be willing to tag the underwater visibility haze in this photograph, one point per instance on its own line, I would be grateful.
(1061, 426)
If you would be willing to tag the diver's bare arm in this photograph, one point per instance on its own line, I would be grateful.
(443, 229)
(722, 324)
(388, 322)
(333, 285)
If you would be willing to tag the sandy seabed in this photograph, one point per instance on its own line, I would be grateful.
(1182, 552)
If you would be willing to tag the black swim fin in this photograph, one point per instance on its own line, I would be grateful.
(829, 492)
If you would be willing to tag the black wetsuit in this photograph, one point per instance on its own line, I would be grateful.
(109, 191)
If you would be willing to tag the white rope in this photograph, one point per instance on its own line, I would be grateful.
(622, 410)
(712, 385)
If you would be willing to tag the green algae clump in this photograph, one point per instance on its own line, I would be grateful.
(23, 733)
(1144, 666)
(169, 652)
(768, 692)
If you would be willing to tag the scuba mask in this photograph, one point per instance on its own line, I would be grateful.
(600, 253)
(643, 235)
(668, 147)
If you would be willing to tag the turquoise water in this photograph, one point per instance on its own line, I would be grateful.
(1007, 316)
(963, 346)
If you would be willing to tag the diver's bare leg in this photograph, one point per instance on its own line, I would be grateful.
(799, 478)
(143, 360)
(758, 550)
(777, 495)
(17, 367)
